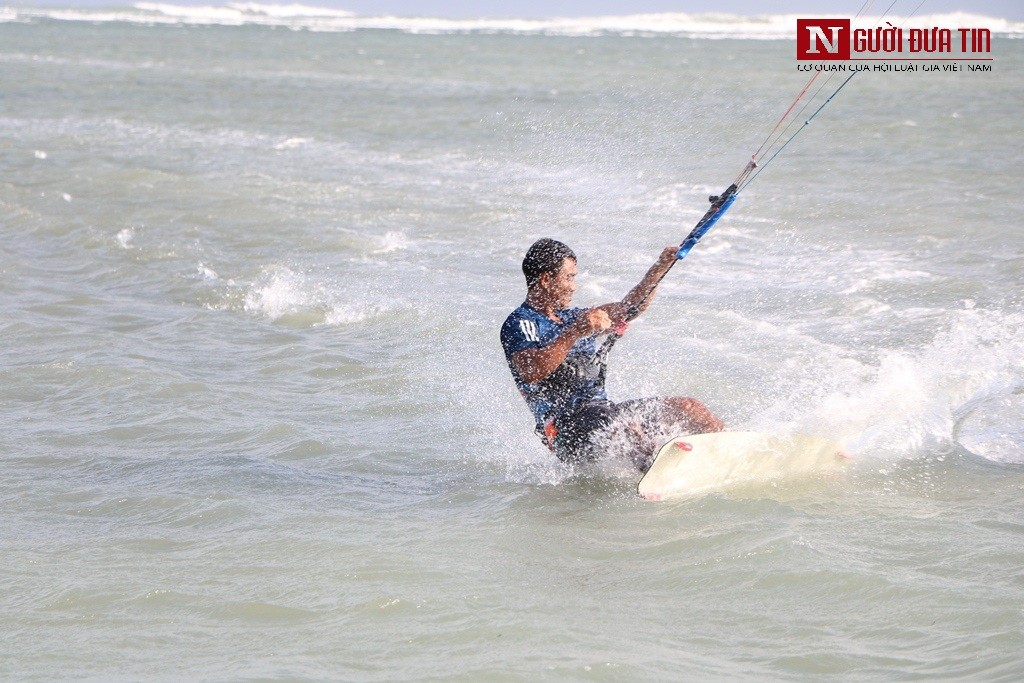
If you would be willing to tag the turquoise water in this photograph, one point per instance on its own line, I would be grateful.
(256, 419)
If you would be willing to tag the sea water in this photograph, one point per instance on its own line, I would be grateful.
(257, 424)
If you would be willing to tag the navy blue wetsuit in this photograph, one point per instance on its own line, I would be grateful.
(572, 398)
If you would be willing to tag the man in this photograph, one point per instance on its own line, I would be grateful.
(554, 357)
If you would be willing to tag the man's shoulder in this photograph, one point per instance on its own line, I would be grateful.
(523, 312)
(523, 328)
(513, 318)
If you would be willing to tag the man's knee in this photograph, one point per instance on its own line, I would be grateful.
(698, 415)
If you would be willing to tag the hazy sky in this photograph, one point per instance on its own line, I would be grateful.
(1007, 9)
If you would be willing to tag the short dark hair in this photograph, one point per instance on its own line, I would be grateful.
(544, 256)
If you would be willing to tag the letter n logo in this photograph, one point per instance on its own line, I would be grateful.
(823, 39)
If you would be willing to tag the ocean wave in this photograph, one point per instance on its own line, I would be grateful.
(233, 9)
(964, 387)
(304, 17)
(299, 299)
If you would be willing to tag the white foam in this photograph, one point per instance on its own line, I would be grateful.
(926, 400)
(241, 10)
(990, 426)
(344, 315)
(299, 17)
(293, 143)
(306, 299)
(393, 240)
(125, 237)
(289, 11)
(207, 273)
(278, 292)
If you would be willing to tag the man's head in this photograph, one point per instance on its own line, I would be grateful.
(550, 270)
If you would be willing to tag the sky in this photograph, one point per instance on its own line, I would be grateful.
(535, 9)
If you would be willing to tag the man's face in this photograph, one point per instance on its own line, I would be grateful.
(562, 284)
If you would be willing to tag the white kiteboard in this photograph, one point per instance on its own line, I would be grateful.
(689, 465)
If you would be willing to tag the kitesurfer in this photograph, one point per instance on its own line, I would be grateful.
(554, 357)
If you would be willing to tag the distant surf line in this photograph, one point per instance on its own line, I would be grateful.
(710, 26)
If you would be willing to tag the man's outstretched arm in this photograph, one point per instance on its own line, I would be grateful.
(619, 310)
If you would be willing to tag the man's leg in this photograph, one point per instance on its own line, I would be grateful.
(575, 429)
(644, 423)
(689, 414)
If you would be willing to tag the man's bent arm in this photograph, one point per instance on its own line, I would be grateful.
(533, 365)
